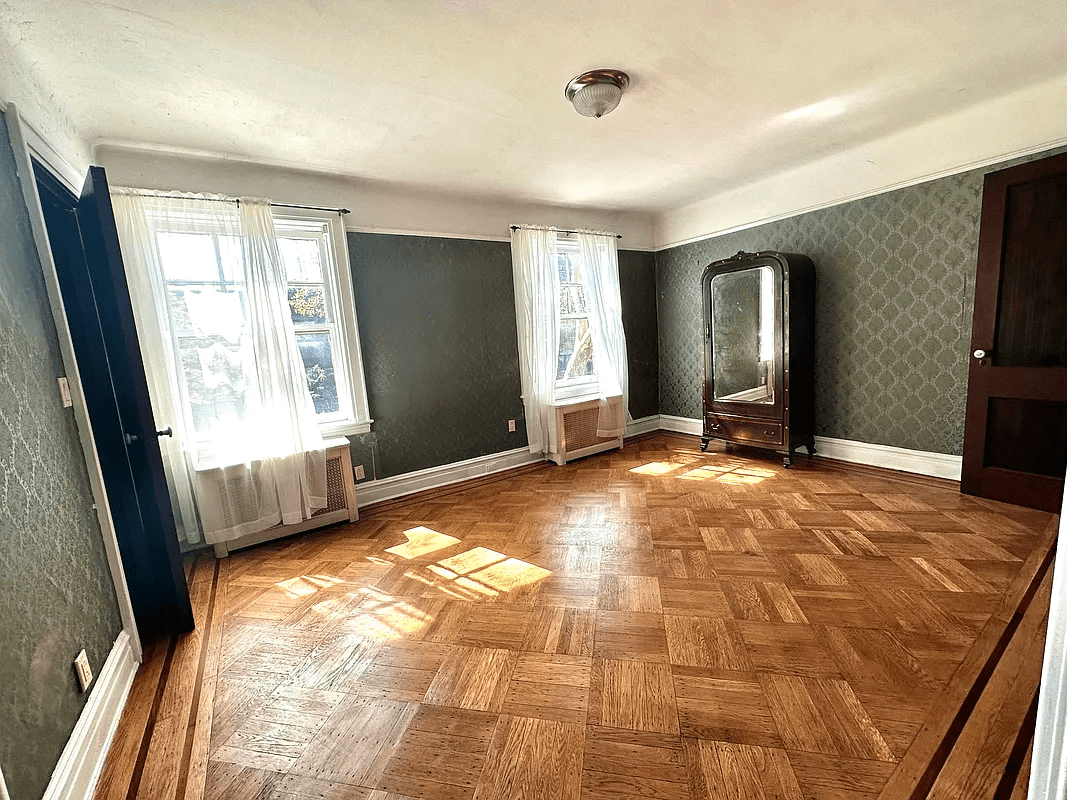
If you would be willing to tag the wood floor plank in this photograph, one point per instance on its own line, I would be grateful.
(356, 742)
(473, 678)
(654, 622)
(745, 772)
(636, 695)
(533, 759)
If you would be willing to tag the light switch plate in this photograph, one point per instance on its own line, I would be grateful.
(511, 426)
(64, 392)
(360, 473)
(84, 671)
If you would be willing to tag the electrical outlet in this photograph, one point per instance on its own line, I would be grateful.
(511, 426)
(360, 472)
(84, 671)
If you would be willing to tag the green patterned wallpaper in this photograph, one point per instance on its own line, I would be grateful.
(56, 595)
(440, 353)
(895, 286)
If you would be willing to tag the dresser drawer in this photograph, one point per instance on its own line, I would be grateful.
(743, 430)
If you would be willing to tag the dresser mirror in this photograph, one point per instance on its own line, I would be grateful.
(759, 352)
(742, 325)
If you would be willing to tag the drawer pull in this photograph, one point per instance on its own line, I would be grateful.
(715, 426)
(770, 433)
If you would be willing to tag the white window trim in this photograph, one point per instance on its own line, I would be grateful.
(349, 330)
(587, 387)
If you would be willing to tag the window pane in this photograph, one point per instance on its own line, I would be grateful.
(307, 304)
(187, 256)
(205, 311)
(317, 353)
(215, 378)
(302, 259)
(232, 258)
(575, 349)
(572, 299)
(569, 266)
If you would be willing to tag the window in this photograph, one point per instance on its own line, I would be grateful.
(210, 317)
(320, 304)
(576, 366)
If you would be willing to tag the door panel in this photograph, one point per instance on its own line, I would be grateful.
(84, 244)
(1015, 443)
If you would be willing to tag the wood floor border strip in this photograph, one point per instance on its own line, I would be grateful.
(205, 646)
(1020, 752)
(150, 724)
(918, 769)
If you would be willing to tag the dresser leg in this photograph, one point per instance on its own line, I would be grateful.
(704, 442)
(787, 461)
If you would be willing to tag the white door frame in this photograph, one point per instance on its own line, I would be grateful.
(18, 131)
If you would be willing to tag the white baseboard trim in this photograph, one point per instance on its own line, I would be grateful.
(79, 767)
(435, 477)
(876, 455)
(642, 425)
(921, 462)
(688, 425)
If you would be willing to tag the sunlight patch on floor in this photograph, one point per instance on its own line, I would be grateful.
(422, 541)
(655, 468)
(306, 585)
(472, 560)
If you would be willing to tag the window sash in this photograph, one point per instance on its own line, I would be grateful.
(344, 344)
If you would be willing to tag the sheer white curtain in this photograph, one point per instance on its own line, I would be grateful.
(536, 273)
(210, 303)
(600, 267)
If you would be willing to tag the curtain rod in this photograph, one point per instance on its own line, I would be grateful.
(560, 230)
(237, 201)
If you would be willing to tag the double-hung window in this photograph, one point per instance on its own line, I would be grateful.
(320, 304)
(576, 375)
(210, 317)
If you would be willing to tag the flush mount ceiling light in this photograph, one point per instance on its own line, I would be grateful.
(597, 92)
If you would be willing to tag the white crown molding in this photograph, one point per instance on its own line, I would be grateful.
(1026, 122)
(79, 767)
(410, 482)
(431, 234)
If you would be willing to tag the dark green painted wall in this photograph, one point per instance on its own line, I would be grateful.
(440, 352)
(895, 289)
(437, 328)
(56, 595)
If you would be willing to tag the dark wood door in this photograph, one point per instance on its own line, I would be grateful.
(85, 247)
(1015, 443)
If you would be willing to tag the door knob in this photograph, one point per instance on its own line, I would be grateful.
(167, 431)
(980, 354)
(131, 438)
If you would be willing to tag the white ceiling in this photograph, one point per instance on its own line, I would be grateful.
(467, 96)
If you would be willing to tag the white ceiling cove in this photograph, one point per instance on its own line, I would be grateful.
(467, 96)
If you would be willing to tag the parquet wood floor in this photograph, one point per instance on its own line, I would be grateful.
(654, 622)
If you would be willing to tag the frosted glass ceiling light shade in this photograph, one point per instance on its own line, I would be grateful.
(597, 92)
